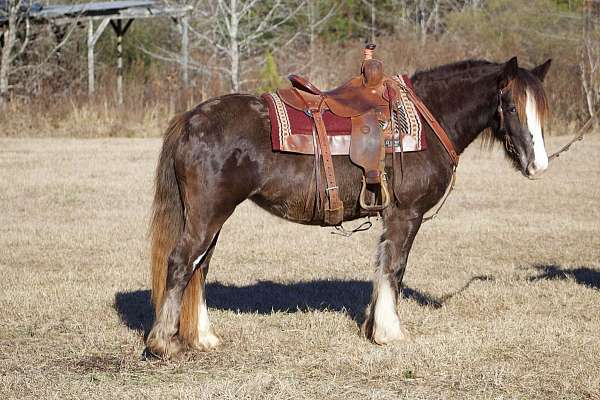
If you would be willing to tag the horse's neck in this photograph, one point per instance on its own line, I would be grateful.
(463, 109)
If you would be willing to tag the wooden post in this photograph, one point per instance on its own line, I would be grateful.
(120, 31)
(91, 42)
(184, 51)
(90, 57)
(120, 63)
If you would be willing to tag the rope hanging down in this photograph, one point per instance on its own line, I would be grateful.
(365, 226)
(578, 137)
(443, 201)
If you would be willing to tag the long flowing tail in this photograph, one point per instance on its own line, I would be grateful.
(165, 229)
(167, 221)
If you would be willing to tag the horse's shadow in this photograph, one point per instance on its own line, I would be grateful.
(582, 275)
(265, 297)
(347, 296)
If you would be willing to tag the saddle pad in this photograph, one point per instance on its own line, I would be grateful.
(291, 129)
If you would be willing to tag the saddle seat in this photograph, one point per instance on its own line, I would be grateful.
(351, 99)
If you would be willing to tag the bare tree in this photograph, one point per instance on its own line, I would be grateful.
(318, 13)
(428, 17)
(373, 24)
(229, 37)
(14, 16)
(245, 29)
(589, 57)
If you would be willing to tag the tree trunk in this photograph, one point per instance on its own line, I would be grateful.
(590, 63)
(312, 37)
(423, 21)
(10, 37)
(234, 46)
(372, 21)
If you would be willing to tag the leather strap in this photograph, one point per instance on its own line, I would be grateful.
(434, 124)
(317, 169)
(334, 212)
(391, 97)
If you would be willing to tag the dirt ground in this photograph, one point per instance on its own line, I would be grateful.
(502, 291)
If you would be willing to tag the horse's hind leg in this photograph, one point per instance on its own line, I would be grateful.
(192, 251)
(195, 328)
(382, 324)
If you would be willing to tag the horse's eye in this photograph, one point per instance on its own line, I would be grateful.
(512, 110)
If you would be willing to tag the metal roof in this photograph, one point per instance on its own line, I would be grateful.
(123, 9)
(89, 8)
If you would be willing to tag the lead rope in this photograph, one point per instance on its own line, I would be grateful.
(578, 137)
(448, 191)
(365, 226)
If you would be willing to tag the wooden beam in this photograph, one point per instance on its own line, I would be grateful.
(90, 57)
(100, 29)
(118, 26)
(127, 25)
(124, 14)
(120, 30)
(91, 42)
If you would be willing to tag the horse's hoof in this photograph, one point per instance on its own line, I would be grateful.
(390, 334)
(161, 348)
(207, 342)
(148, 355)
(366, 329)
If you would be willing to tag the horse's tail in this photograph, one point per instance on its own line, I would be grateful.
(167, 222)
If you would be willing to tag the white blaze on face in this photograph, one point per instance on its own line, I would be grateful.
(540, 162)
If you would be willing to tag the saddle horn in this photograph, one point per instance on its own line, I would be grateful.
(372, 69)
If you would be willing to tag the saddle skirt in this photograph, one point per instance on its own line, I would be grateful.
(292, 129)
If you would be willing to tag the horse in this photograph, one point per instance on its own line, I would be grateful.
(219, 154)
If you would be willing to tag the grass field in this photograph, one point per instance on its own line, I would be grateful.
(502, 292)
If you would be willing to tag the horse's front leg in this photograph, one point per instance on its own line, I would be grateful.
(382, 324)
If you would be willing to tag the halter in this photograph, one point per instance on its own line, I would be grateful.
(502, 129)
(508, 144)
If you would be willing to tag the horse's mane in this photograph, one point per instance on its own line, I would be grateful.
(523, 85)
(449, 71)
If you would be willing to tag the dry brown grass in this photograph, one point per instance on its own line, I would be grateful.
(502, 293)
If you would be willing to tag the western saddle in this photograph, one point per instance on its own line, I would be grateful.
(369, 100)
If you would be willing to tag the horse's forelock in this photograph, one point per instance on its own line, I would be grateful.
(524, 85)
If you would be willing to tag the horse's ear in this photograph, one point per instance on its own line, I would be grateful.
(541, 70)
(509, 72)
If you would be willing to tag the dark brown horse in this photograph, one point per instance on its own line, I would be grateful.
(219, 154)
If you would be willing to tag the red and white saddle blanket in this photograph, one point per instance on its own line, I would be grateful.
(292, 130)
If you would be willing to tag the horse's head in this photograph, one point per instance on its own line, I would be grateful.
(522, 110)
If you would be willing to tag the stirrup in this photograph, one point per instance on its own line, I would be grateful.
(385, 196)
